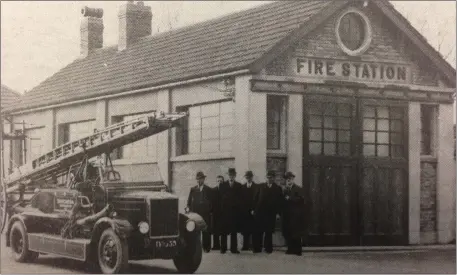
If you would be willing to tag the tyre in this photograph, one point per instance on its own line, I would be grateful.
(112, 253)
(189, 258)
(20, 245)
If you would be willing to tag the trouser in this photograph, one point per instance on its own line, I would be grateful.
(206, 240)
(233, 242)
(294, 245)
(257, 241)
(216, 242)
(247, 235)
(267, 241)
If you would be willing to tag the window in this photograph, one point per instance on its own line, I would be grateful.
(330, 128)
(34, 143)
(276, 122)
(383, 131)
(75, 130)
(428, 120)
(353, 32)
(208, 129)
(141, 149)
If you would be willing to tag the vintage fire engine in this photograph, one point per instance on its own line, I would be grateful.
(93, 215)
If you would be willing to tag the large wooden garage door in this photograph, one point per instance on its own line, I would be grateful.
(355, 172)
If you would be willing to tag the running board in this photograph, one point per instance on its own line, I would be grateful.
(76, 249)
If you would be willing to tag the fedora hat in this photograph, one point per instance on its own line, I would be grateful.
(271, 174)
(231, 171)
(200, 175)
(249, 174)
(289, 175)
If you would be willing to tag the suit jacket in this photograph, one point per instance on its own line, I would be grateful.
(200, 202)
(248, 199)
(230, 207)
(293, 218)
(216, 210)
(268, 201)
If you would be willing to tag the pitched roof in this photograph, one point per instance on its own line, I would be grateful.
(221, 45)
(9, 96)
(245, 40)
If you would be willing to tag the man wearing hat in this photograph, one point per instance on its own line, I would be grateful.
(199, 201)
(216, 213)
(248, 192)
(267, 207)
(293, 215)
(230, 196)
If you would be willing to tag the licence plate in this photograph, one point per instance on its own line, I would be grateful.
(166, 243)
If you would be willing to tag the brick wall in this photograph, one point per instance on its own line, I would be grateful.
(428, 202)
(387, 46)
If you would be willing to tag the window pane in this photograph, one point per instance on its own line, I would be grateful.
(194, 147)
(315, 135)
(344, 136)
(396, 112)
(344, 110)
(315, 148)
(395, 138)
(368, 124)
(227, 119)
(383, 112)
(226, 145)
(227, 107)
(210, 110)
(383, 138)
(383, 125)
(383, 150)
(329, 122)
(210, 122)
(330, 109)
(226, 132)
(344, 123)
(195, 122)
(396, 126)
(209, 146)
(368, 137)
(195, 135)
(368, 150)
(194, 111)
(329, 149)
(397, 151)
(315, 121)
(344, 149)
(369, 112)
(330, 135)
(210, 133)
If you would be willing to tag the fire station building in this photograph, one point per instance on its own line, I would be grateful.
(345, 94)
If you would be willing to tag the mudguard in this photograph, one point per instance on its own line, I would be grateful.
(12, 220)
(121, 227)
(200, 223)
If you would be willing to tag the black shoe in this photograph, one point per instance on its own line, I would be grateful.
(268, 251)
(223, 251)
(256, 251)
(289, 252)
(298, 253)
(244, 249)
(207, 250)
(216, 248)
(235, 252)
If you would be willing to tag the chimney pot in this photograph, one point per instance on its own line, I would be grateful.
(135, 21)
(91, 30)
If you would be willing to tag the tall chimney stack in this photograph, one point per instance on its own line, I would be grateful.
(91, 30)
(135, 21)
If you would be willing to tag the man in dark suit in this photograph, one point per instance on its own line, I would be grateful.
(293, 216)
(267, 208)
(230, 194)
(248, 192)
(199, 201)
(216, 214)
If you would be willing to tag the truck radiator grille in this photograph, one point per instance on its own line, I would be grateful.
(164, 217)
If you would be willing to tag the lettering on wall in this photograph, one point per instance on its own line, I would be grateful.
(354, 71)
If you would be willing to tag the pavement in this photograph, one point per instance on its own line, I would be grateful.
(430, 259)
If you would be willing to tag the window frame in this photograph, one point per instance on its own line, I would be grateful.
(282, 124)
(433, 125)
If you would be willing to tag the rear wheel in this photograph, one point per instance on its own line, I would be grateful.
(112, 254)
(3, 206)
(189, 258)
(20, 245)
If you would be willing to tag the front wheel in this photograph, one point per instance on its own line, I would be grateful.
(20, 245)
(112, 254)
(189, 258)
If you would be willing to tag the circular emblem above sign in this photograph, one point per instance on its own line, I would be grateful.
(353, 32)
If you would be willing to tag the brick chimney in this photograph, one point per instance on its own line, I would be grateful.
(91, 30)
(135, 21)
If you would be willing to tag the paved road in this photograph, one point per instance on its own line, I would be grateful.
(435, 261)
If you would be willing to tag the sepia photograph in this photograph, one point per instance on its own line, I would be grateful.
(228, 137)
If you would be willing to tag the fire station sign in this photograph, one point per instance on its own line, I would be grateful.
(352, 71)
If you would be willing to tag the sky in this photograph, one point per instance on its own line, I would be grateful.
(38, 38)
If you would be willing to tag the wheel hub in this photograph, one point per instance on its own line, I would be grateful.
(109, 253)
